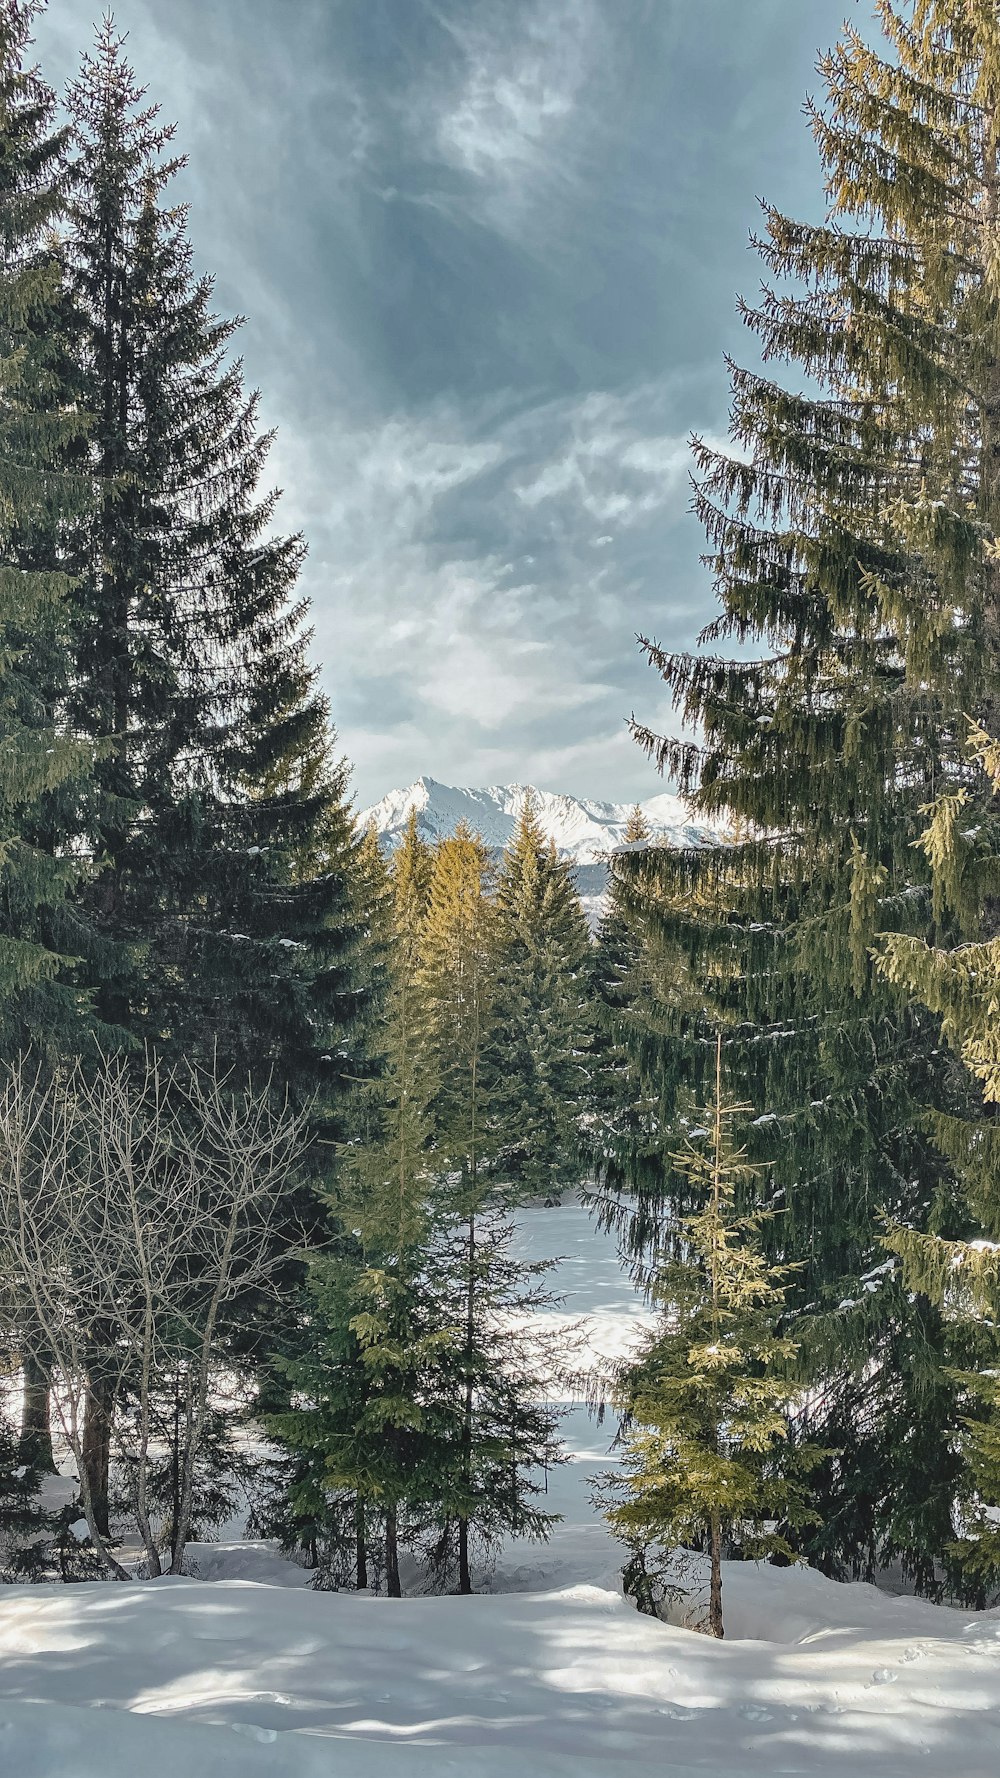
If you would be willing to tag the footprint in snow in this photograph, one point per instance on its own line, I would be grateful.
(756, 1713)
(913, 1654)
(883, 1676)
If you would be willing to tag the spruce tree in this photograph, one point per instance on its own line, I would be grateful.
(47, 945)
(851, 539)
(705, 1403)
(224, 835)
(538, 1063)
(223, 840)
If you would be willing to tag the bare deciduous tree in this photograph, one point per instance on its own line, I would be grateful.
(135, 1204)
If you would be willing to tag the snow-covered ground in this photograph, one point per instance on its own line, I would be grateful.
(548, 1673)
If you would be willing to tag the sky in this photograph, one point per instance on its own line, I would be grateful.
(488, 253)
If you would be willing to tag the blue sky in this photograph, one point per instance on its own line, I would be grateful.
(488, 252)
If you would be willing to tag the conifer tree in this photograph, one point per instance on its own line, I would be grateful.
(540, 1025)
(223, 838)
(47, 944)
(224, 835)
(851, 538)
(456, 981)
(705, 1402)
(376, 1412)
(640, 988)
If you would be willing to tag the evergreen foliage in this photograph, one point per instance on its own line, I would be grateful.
(224, 840)
(961, 985)
(26, 1530)
(851, 537)
(538, 1062)
(416, 1404)
(706, 1402)
(374, 1416)
(640, 988)
(45, 767)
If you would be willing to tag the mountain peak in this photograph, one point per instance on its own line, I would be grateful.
(584, 830)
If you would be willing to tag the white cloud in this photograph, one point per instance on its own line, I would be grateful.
(460, 609)
(608, 471)
(511, 124)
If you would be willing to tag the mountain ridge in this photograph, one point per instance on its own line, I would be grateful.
(585, 830)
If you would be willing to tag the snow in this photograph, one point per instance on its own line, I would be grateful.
(244, 1672)
(584, 831)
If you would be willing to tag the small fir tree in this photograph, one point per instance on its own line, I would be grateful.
(706, 1457)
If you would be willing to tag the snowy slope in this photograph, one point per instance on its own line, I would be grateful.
(583, 831)
(548, 1673)
(234, 1680)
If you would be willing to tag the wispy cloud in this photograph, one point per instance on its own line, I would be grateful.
(510, 118)
(487, 250)
(457, 587)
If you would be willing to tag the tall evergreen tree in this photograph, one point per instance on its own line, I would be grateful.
(223, 838)
(852, 540)
(537, 1061)
(47, 944)
(44, 766)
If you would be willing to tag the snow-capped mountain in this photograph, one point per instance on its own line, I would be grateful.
(584, 832)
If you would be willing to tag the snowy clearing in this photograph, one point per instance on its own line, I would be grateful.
(549, 1672)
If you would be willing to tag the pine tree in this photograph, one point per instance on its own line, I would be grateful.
(850, 536)
(223, 837)
(705, 1403)
(540, 1024)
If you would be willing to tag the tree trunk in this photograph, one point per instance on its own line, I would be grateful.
(98, 1538)
(464, 1574)
(361, 1559)
(96, 1453)
(35, 1443)
(392, 1585)
(715, 1591)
